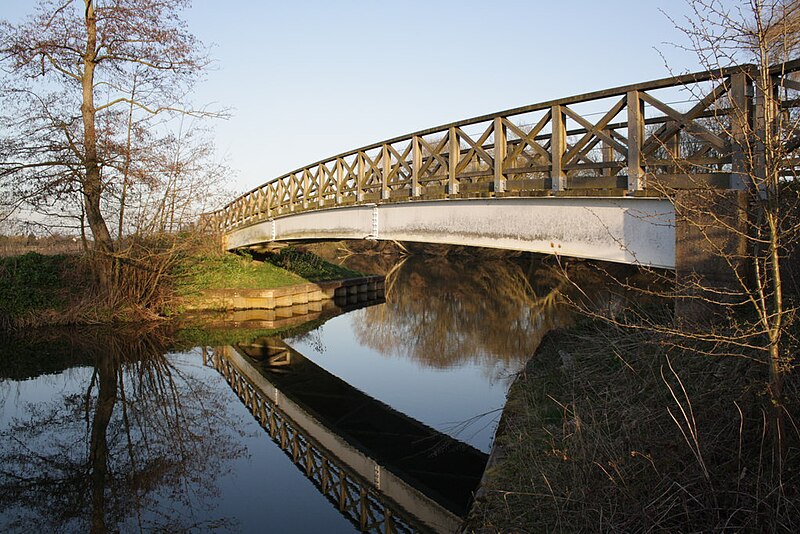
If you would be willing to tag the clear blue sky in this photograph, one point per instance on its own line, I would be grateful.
(309, 79)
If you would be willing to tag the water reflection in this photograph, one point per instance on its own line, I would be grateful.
(382, 470)
(453, 333)
(443, 312)
(106, 430)
(124, 441)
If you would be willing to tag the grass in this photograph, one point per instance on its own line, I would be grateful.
(608, 431)
(310, 266)
(232, 271)
(201, 336)
(229, 271)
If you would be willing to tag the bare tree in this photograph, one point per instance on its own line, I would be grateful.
(732, 296)
(761, 220)
(78, 72)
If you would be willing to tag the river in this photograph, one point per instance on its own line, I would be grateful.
(373, 415)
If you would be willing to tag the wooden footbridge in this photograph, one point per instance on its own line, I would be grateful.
(592, 175)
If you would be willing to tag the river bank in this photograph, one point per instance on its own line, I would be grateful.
(47, 290)
(609, 429)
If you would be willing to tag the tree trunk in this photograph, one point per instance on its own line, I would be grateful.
(91, 182)
(98, 451)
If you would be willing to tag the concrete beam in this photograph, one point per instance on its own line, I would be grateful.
(634, 230)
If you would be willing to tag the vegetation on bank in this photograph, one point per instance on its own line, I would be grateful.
(37, 290)
(34, 285)
(199, 273)
(288, 267)
(609, 430)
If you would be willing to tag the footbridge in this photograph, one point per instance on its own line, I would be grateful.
(601, 175)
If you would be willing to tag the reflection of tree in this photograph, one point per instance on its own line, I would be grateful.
(140, 447)
(444, 311)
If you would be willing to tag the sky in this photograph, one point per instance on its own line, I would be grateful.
(306, 80)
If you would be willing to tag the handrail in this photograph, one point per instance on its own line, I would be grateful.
(540, 158)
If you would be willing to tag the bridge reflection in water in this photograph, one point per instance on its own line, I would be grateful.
(383, 470)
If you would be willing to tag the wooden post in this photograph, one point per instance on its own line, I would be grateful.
(608, 156)
(325, 478)
(306, 186)
(739, 96)
(322, 179)
(766, 114)
(635, 139)
(339, 180)
(416, 165)
(674, 152)
(362, 498)
(386, 160)
(360, 180)
(499, 155)
(342, 491)
(281, 188)
(558, 146)
(292, 191)
(452, 161)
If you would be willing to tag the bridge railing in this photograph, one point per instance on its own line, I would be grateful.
(678, 132)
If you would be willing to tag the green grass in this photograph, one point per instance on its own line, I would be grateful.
(231, 271)
(39, 289)
(310, 266)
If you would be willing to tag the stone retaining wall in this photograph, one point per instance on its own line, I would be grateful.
(269, 299)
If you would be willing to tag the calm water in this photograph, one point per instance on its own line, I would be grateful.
(382, 414)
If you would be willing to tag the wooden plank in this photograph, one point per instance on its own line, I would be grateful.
(719, 180)
(598, 182)
(784, 82)
(454, 154)
(527, 185)
(740, 121)
(635, 138)
(557, 148)
(416, 163)
(500, 149)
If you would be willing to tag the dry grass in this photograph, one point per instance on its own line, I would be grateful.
(608, 430)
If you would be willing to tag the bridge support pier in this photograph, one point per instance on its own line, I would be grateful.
(710, 250)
